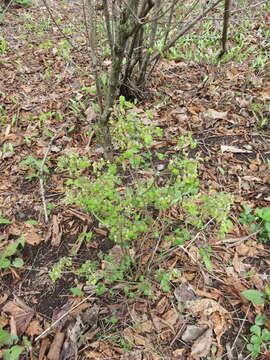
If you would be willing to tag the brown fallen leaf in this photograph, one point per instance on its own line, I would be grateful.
(171, 317)
(233, 149)
(56, 230)
(21, 317)
(213, 114)
(202, 345)
(56, 346)
(43, 348)
(34, 328)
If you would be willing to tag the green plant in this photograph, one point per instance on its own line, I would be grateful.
(258, 297)
(3, 44)
(9, 252)
(260, 336)
(260, 112)
(259, 221)
(7, 339)
(59, 268)
(129, 213)
(24, 3)
(33, 167)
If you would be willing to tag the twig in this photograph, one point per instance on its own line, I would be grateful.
(56, 24)
(41, 175)
(182, 32)
(6, 8)
(61, 317)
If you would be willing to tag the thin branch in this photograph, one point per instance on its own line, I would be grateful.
(58, 27)
(62, 317)
(91, 37)
(41, 176)
(108, 24)
(185, 30)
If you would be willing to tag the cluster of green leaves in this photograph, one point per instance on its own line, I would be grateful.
(260, 112)
(33, 167)
(9, 252)
(258, 297)
(259, 221)
(203, 44)
(260, 336)
(129, 208)
(3, 44)
(6, 339)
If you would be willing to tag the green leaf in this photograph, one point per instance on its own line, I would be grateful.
(32, 222)
(77, 291)
(256, 340)
(265, 335)
(267, 290)
(255, 329)
(267, 226)
(4, 263)
(4, 221)
(18, 262)
(264, 213)
(10, 250)
(206, 259)
(260, 319)
(13, 353)
(5, 338)
(250, 347)
(255, 296)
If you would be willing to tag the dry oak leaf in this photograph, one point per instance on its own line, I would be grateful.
(34, 328)
(22, 318)
(171, 317)
(202, 345)
(213, 114)
(133, 338)
(205, 308)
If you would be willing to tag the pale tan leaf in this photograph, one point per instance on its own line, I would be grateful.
(202, 345)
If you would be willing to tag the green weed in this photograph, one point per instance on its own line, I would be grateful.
(128, 210)
(260, 337)
(259, 221)
(7, 258)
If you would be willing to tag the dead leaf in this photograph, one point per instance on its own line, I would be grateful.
(171, 317)
(21, 317)
(34, 328)
(213, 114)
(202, 345)
(233, 149)
(192, 332)
(56, 230)
(33, 238)
(90, 114)
(184, 292)
(214, 294)
(133, 355)
(205, 307)
(162, 305)
(56, 346)
(43, 348)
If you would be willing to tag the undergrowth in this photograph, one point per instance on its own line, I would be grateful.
(132, 197)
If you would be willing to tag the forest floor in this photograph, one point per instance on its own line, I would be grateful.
(225, 106)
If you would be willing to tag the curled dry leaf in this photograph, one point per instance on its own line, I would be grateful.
(171, 317)
(192, 332)
(208, 310)
(202, 345)
(213, 114)
(233, 149)
(21, 317)
(34, 328)
(134, 338)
